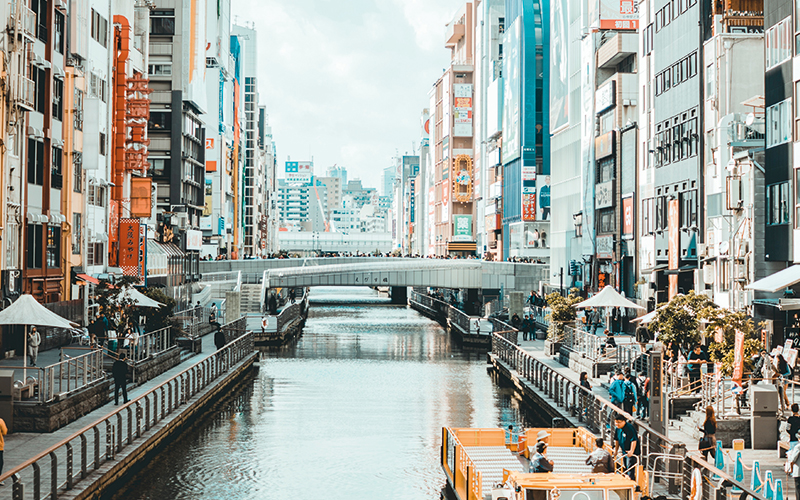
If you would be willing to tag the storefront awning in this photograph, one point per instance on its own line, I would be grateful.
(659, 267)
(778, 281)
(461, 246)
(88, 279)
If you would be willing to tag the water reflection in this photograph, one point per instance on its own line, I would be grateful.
(353, 409)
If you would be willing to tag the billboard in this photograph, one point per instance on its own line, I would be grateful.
(511, 92)
(462, 228)
(619, 14)
(299, 172)
(528, 194)
(462, 110)
(559, 66)
(543, 195)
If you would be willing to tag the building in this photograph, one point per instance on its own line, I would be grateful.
(333, 198)
(340, 172)
(451, 195)
(387, 180)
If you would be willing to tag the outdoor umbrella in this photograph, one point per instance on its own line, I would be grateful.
(136, 297)
(27, 311)
(608, 297)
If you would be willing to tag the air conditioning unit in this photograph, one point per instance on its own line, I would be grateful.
(11, 282)
(181, 220)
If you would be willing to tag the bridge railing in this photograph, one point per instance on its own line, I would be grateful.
(438, 306)
(459, 318)
(64, 465)
(291, 311)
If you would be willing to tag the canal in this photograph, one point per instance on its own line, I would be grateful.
(353, 409)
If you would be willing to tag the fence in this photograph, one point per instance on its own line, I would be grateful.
(657, 451)
(459, 318)
(62, 466)
(434, 304)
(290, 312)
(583, 342)
(69, 375)
(151, 344)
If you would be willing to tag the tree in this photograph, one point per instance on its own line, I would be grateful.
(728, 322)
(561, 311)
(158, 318)
(678, 321)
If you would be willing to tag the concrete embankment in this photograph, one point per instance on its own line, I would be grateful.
(114, 473)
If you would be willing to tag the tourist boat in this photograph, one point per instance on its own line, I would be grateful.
(483, 464)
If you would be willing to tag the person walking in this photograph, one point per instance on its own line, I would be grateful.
(784, 374)
(644, 397)
(630, 395)
(793, 425)
(515, 321)
(616, 390)
(120, 372)
(539, 461)
(34, 340)
(708, 443)
(627, 439)
(600, 459)
(219, 339)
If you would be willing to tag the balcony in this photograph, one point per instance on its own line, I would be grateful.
(616, 49)
(23, 91)
(454, 33)
(742, 135)
(27, 20)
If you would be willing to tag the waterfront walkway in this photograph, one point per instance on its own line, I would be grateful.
(21, 446)
(768, 459)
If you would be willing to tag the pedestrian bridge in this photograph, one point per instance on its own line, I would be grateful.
(381, 271)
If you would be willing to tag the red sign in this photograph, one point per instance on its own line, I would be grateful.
(129, 246)
(673, 219)
(627, 217)
(529, 207)
(738, 358)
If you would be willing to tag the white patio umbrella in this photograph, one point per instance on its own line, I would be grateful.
(27, 311)
(608, 297)
(138, 298)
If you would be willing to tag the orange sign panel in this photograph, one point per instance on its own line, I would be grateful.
(129, 246)
(141, 196)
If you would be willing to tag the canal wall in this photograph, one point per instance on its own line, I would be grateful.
(127, 462)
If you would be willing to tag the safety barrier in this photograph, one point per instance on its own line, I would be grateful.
(62, 466)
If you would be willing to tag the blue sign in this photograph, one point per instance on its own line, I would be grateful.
(412, 202)
(221, 102)
(291, 166)
(221, 225)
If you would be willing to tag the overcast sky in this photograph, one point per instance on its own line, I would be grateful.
(345, 81)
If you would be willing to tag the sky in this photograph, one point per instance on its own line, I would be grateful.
(345, 81)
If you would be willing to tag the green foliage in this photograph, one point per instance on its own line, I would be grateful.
(683, 318)
(158, 318)
(679, 321)
(561, 311)
(125, 312)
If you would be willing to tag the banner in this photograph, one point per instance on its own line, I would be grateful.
(129, 246)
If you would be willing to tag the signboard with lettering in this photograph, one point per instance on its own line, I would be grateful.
(462, 228)
(129, 247)
(604, 145)
(627, 217)
(605, 247)
(604, 97)
(619, 14)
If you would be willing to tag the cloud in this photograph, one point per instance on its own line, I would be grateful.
(345, 82)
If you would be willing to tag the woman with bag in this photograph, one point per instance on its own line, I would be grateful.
(708, 443)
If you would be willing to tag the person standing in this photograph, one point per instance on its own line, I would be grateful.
(793, 425)
(212, 317)
(617, 390)
(219, 339)
(34, 340)
(644, 397)
(584, 399)
(120, 372)
(630, 394)
(694, 366)
(791, 461)
(627, 439)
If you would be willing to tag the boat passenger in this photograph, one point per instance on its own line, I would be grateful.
(539, 461)
(600, 459)
(542, 437)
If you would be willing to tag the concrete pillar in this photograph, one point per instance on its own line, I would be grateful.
(472, 302)
(232, 309)
(516, 302)
(399, 295)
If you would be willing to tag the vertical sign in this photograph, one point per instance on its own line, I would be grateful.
(129, 246)
(673, 219)
(627, 217)
(738, 358)
(528, 194)
(412, 203)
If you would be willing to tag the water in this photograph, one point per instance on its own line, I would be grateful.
(354, 409)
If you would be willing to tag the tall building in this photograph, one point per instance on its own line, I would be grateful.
(340, 172)
(387, 180)
(177, 134)
(451, 197)
(333, 198)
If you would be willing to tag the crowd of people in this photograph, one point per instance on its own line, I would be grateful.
(285, 255)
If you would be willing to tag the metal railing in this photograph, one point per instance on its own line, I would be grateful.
(630, 355)
(69, 375)
(27, 21)
(62, 466)
(541, 315)
(459, 318)
(591, 346)
(24, 90)
(150, 344)
(434, 304)
(290, 312)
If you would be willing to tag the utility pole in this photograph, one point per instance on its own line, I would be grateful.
(561, 281)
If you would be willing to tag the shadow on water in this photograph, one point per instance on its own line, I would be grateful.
(352, 409)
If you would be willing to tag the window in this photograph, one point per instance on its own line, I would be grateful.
(12, 250)
(39, 77)
(779, 123)
(162, 22)
(35, 162)
(102, 143)
(159, 120)
(797, 198)
(158, 166)
(78, 116)
(39, 7)
(53, 246)
(76, 234)
(97, 195)
(647, 206)
(778, 204)
(97, 86)
(77, 171)
(99, 28)
(777, 43)
(710, 88)
(688, 204)
(94, 254)
(605, 169)
(33, 247)
(607, 122)
(661, 213)
(58, 99)
(606, 219)
(160, 69)
(56, 180)
(58, 32)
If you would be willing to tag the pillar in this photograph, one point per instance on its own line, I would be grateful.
(399, 295)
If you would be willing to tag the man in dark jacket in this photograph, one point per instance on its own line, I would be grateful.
(219, 339)
(120, 372)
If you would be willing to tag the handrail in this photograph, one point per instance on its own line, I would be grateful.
(67, 375)
(141, 413)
